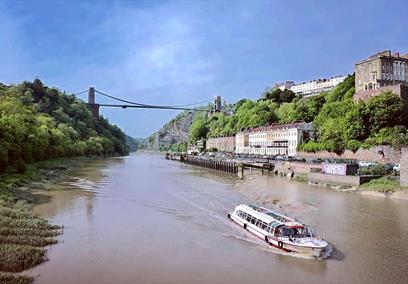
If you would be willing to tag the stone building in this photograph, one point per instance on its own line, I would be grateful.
(222, 144)
(284, 85)
(381, 72)
(275, 139)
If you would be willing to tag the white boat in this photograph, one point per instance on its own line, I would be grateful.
(278, 230)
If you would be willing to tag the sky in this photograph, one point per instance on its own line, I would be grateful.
(181, 52)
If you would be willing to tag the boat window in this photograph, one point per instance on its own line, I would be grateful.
(286, 232)
(302, 232)
(248, 218)
(277, 217)
(253, 220)
(274, 224)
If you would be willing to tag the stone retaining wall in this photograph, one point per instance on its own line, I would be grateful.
(381, 154)
(223, 144)
(339, 180)
(295, 167)
(404, 168)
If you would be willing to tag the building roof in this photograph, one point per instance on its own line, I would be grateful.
(385, 54)
(277, 126)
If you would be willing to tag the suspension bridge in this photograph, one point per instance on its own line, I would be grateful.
(131, 104)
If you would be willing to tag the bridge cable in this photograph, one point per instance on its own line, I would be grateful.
(80, 93)
(147, 105)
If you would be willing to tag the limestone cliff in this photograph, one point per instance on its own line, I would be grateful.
(173, 132)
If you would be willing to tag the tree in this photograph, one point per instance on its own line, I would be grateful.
(287, 112)
(279, 96)
(384, 110)
(38, 123)
(198, 129)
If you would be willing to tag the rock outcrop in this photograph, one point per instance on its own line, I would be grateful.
(174, 132)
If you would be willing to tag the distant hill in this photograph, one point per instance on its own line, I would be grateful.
(135, 144)
(39, 123)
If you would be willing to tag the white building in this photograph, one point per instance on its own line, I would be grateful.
(242, 143)
(284, 85)
(316, 87)
(276, 139)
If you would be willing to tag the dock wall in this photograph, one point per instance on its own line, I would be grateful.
(330, 179)
(218, 165)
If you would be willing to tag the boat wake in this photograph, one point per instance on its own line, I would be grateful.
(209, 209)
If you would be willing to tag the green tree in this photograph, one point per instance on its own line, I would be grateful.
(384, 110)
(279, 96)
(198, 129)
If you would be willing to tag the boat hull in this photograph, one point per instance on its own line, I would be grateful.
(283, 245)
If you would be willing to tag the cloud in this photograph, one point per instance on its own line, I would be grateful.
(173, 57)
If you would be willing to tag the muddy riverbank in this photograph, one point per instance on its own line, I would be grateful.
(145, 219)
(25, 237)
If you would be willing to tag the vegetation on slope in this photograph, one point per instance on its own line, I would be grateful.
(39, 123)
(135, 144)
(340, 122)
(383, 184)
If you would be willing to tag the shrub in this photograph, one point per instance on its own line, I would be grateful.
(20, 165)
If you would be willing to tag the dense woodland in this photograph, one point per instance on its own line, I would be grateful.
(340, 123)
(39, 123)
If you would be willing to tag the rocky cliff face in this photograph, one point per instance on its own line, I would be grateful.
(173, 132)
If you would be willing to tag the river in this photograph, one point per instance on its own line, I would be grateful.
(143, 219)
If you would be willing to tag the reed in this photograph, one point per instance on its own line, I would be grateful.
(23, 238)
(15, 279)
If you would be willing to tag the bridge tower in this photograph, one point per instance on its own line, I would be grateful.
(91, 102)
(217, 104)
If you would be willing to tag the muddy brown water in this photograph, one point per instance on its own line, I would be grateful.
(143, 219)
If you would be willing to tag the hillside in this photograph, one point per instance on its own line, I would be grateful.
(39, 123)
(135, 144)
(340, 122)
(173, 133)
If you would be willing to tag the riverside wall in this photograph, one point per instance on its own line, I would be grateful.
(223, 144)
(404, 168)
(295, 167)
(329, 179)
(381, 154)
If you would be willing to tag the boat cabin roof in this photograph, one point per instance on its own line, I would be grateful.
(268, 216)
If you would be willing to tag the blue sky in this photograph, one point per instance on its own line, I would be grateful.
(165, 52)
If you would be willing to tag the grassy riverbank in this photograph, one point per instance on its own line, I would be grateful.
(384, 184)
(23, 236)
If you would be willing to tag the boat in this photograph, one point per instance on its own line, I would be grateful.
(279, 230)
